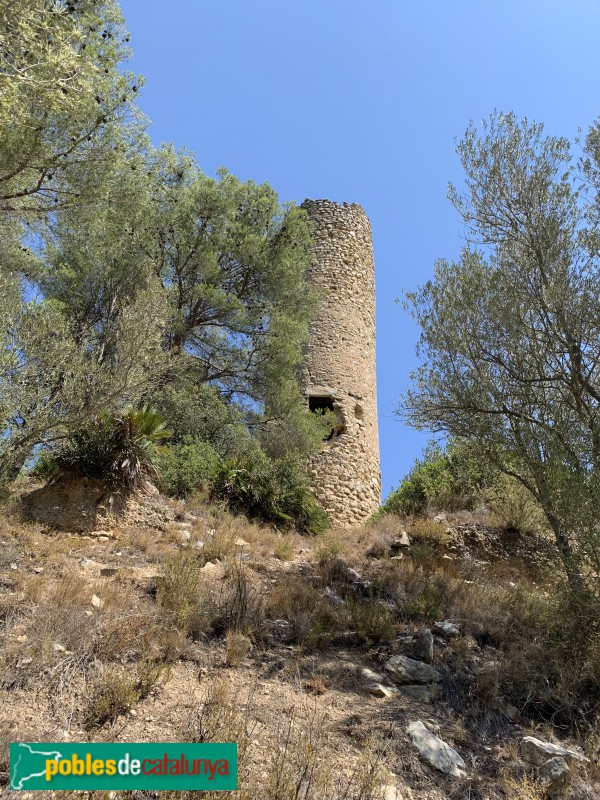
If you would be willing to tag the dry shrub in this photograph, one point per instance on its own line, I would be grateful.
(421, 593)
(309, 617)
(237, 647)
(327, 546)
(284, 548)
(371, 621)
(179, 588)
(523, 788)
(11, 551)
(113, 694)
(545, 639)
(219, 545)
(515, 507)
(426, 530)
(225, 715)
(239, 606)
(299, 767)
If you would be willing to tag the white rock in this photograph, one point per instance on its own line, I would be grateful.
(241, 543)
(424, 646)
(555, 776)
(335, 598)
(447, 628)
(406, 670)
(402, 540)
(435, 752)
(390, 793)
(372, 677)
(381, 690)
(537, 752)
(423, 693)
(97, 602)
(58, 648)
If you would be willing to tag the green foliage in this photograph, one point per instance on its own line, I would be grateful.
(509, 332)
(118, 449)
(198, 411)
(148, 281)
(62, 97)
(273, 490)
(449, 478)
(516, 507)
(187, 466)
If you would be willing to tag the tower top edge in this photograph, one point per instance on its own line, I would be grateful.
(323, 202)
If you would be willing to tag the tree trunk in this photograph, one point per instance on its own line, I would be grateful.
(568, 557)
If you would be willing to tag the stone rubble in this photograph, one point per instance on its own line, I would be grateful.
(435, 752)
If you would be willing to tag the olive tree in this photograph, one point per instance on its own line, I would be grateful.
(510, 332)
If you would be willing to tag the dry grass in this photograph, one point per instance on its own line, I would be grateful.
(237, 647)
(259, 614)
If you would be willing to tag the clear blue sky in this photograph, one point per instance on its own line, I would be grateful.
(360, 101)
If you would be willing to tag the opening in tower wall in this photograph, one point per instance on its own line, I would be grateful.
(321, 405)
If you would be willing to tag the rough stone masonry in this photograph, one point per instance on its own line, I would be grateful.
(338, 371)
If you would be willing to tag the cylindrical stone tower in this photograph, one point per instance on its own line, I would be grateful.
(338, 370)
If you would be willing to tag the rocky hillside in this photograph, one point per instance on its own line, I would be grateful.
(411, 659)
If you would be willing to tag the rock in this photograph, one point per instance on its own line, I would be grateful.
(555, 776)
(108, 572)
(537, 752)
(399, 557)
(241, 543)
(381, 690)
(402, 540)
(447, 629)
(335, 598)
(390, 793)
(435, 752)
(370, 676)
(88, 563)
(58, 648)
(440, 518)
(423, 693)
(38, 570)
(85, 505)
(97, 602)
(406, 670)
(184, 536)
(510, 712)
(198, 545)
(424, 646)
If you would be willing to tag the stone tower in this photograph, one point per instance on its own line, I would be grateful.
(338, 371)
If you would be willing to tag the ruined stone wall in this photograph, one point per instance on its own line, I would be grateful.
(339, 361)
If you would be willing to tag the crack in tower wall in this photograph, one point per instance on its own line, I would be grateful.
(339, 361)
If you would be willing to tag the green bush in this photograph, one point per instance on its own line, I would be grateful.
(272, 490)
(448, 478)
(116, 448)
(187, 466)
